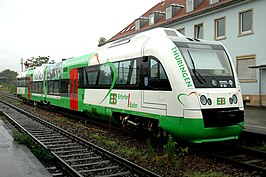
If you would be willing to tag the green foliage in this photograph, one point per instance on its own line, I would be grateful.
(207, 174)
(101, 41)
(173, 154)
(8, 81)
(8, 75)
(37, 61)
(39, 152)
(260, 147)
(150, 149)
(170, 147)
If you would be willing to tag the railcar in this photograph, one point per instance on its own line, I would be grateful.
(21, 85)
(158, 79)
(62, 82)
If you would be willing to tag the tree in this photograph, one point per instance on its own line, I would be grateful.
(51, 62)
(101, 41)
(9, 75)
(36, 61)
(8, 80)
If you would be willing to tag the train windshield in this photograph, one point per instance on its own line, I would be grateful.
(207, 62)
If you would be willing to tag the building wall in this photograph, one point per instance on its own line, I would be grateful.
(253, 44)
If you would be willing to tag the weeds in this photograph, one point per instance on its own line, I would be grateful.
(207, 174)
(260, 147)
(39, 152)
(170, 148)
(150, 149)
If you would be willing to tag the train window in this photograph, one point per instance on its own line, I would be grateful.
(122, 72)
(39, 87)
(133, 73)
(126, 72)
(64, 86)
(85, 77)
(162, 74)
(56, 87)
(50, 87)
(157, 79)
(36, 87)
(154, 68)
(105, 75)
(101, 76)
(21, 82)
(92, 74)
(157, 70)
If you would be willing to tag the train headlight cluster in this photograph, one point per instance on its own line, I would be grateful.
(233, 99)
(204, 100)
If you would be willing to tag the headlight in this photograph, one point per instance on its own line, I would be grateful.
(231, 100)
(209, 101)
(203, 99)
(234, 97)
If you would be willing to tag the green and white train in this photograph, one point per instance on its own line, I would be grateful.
(157, 79)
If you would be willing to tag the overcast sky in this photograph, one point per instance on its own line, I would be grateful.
(61, 28)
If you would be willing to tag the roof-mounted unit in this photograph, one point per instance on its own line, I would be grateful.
(155, 16)
(213, 1)
(192, 4)
(140, 22)
(172, 10)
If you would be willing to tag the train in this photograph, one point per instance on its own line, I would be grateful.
(158, 79)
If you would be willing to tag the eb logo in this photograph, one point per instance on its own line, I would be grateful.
(113, 98)
(221, 101)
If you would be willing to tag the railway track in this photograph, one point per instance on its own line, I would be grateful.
(140, 134)
(233, 154)
(76, 156)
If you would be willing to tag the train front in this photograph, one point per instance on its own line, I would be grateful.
(212, 105)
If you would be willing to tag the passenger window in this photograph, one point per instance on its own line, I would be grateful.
(50, 87)
(92, 74)
(56, 87)
(154, 68)
(123, 70)
(133, 71)
(162, 73)
(126, 72)
(105, 77)
(158, 79)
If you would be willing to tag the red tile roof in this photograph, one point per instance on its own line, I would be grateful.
(181, 15)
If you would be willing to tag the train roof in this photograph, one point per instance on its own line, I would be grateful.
(172, 34)
(77, 62)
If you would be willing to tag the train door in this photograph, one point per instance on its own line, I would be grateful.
(28, 84)
(152, 97)
(74, 89)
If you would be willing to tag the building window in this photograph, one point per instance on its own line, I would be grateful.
(182, 31)
(246, 74)
(198, 31)
(169, 12)
(219, 25)
(151, 19)
(213, 1)
(190, 5)
(246, 22)
(137, 24)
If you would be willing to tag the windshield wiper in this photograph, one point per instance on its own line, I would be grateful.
(196, 73)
